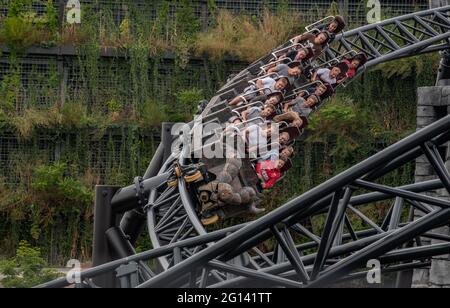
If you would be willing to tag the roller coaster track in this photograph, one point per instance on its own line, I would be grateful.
(280, 249)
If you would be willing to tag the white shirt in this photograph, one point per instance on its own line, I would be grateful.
(256, 137)
(268, 84)
(324, 75)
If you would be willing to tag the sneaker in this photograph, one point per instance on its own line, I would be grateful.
(210, 220)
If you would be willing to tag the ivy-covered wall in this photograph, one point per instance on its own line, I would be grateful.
(81, 105)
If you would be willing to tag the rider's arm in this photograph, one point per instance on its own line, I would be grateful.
(244, 114)
(259, 84)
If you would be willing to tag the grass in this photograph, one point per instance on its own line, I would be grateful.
(33, 118)
(246, 38)
(151, 114)
(73, 115)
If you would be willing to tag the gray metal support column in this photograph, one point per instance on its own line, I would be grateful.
(433, 104)
(103, 220)
(167, 139)
(61, 9)
(133, 221)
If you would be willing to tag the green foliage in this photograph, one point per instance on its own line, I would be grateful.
(74, 114)
(187, 102)
(48, 177)
(9, 91)
(151, 114)
(212, 6)
(51, 17)
(187, 25)
(139, 60)
(23, 28)
(18, 33)
(333, 10)
(56, 194)
(18, 7)
(8, 267)
(53, 207)
(53, 187)
(186, 28)
(408, 67)
(342, 122)
(114, 106)
(26, 269)
(29, 259)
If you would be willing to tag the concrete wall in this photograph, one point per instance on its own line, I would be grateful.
(433, 104)
(438, 3)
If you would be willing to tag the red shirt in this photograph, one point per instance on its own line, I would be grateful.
(269, 173)
(351, 71)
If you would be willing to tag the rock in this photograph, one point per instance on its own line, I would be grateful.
(227, 195)
(426, 111)
(245, 196)
(250, 191)
(425, 121)
(421, 278)
(236, 199)
(232, 170)
(224, 177)
(430, 96)
(424, 169)
(440, 272)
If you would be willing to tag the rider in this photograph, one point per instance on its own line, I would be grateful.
(292, 70)
(354, 64)
(302, 54)
(287, 153)
(274, 99)
(330, 75)
(302, 106)
(269, 172)
(316, 42)
(258, 112)
(265, 86)
(337, 25)
(294, 119)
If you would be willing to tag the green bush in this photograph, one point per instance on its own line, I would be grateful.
(56, 195)
(188, 101)
(340, 121)
(26, 269)
(17, 7)
(51, 17)
(187, 26)
(23, 28)
(52, 184)
(9, 91)
(74, 114)
(151, 114)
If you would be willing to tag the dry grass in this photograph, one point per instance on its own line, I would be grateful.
(247, 39)
(73, 35)
(222, 38)
(34, 118)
